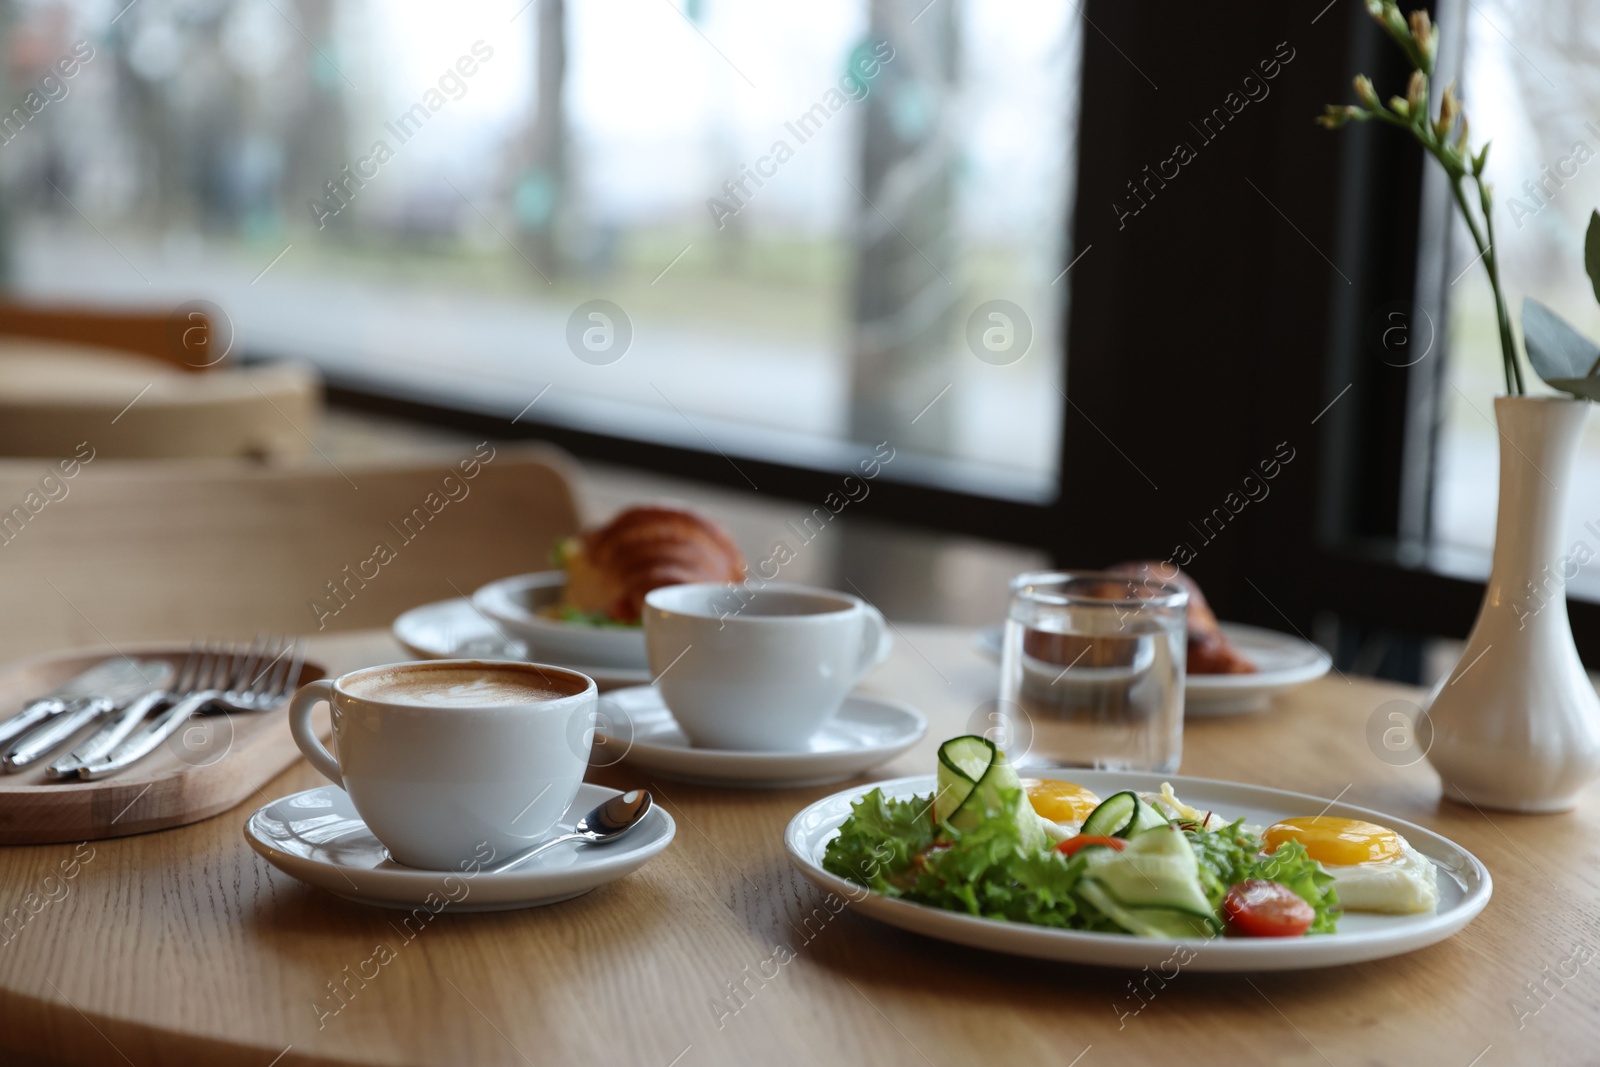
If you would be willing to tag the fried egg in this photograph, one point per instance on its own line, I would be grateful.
(1373, 868)
(1062, 805)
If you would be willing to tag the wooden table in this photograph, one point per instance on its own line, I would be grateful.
(184, 947)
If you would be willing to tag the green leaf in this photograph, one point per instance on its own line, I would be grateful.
(879, 841)
(1591, 252)
(598, 619)
(1562, 356)
(1222, 855)
(1289, 865)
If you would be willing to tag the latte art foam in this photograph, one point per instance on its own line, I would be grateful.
(458, 688)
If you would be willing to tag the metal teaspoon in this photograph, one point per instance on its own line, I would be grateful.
(607, 822)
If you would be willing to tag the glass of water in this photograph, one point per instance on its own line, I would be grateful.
(1091, 674)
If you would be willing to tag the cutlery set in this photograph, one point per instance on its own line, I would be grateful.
(134, 705)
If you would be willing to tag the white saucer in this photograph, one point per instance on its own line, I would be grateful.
(1283, 661)
(864, 733)
(454, 629)
(317, 837)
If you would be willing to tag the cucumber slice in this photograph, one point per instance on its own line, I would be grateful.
(1122, 815)
(972, 782)
(1151, 887)
(970, 755)
(1113, 816)
(1146, 922)
(1148, 817)
(962, 764)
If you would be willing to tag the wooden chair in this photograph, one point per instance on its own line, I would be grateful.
(96, 550)
(145, 385)
(185, 337)
(53, 396)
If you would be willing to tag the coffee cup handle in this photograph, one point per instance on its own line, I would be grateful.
(309, 697)
(876, 641)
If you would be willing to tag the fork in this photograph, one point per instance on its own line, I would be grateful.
(227, 678)
(99, 744)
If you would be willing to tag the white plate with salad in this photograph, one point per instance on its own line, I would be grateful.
(1135, 870)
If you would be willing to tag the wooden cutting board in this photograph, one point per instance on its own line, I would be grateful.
(209, 766)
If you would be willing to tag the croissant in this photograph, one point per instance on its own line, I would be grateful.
(611, 568)
(1210, 651)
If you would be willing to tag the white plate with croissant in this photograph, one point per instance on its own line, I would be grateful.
(588, 610)
(455, 629)
(531, 608)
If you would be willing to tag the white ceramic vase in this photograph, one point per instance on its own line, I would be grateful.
(1516, 723)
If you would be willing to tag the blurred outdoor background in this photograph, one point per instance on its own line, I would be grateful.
(329, 175)
(1531, 85)
(576, 163)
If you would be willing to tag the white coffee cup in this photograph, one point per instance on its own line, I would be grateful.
(443, 756)
(758, 669)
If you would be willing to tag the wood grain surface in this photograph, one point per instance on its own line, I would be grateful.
(184, 947)
(207, 767)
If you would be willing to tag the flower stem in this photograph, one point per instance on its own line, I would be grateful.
(1508, 344)
(1485, 243)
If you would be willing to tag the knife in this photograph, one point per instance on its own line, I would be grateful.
(119, 724)
(102, 675)
(133, 679)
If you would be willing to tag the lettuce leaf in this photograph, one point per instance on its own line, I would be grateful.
(1223, 856)
(879, 841)
(893, 847)
(1229, 855)
(598, 619)
(1290, 866)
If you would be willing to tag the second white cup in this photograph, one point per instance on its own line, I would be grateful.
(758, 669)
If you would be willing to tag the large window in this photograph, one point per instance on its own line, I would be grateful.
(760, 230)
(744, 242)
(1530, 80)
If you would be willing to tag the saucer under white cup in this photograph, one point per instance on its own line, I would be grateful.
(317, 837)
(635, 727)
(758, 668)
(434, 783)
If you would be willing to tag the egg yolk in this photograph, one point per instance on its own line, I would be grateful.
(1331, 840)
(1062, 802)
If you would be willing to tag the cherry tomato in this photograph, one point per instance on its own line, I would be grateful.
(1073, 844)
(1259, 908)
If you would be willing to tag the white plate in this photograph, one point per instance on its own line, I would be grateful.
(517, 604)
(454, 629)
(1285, 661)
(866, 732)
(317, 837)
(1464, 888)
